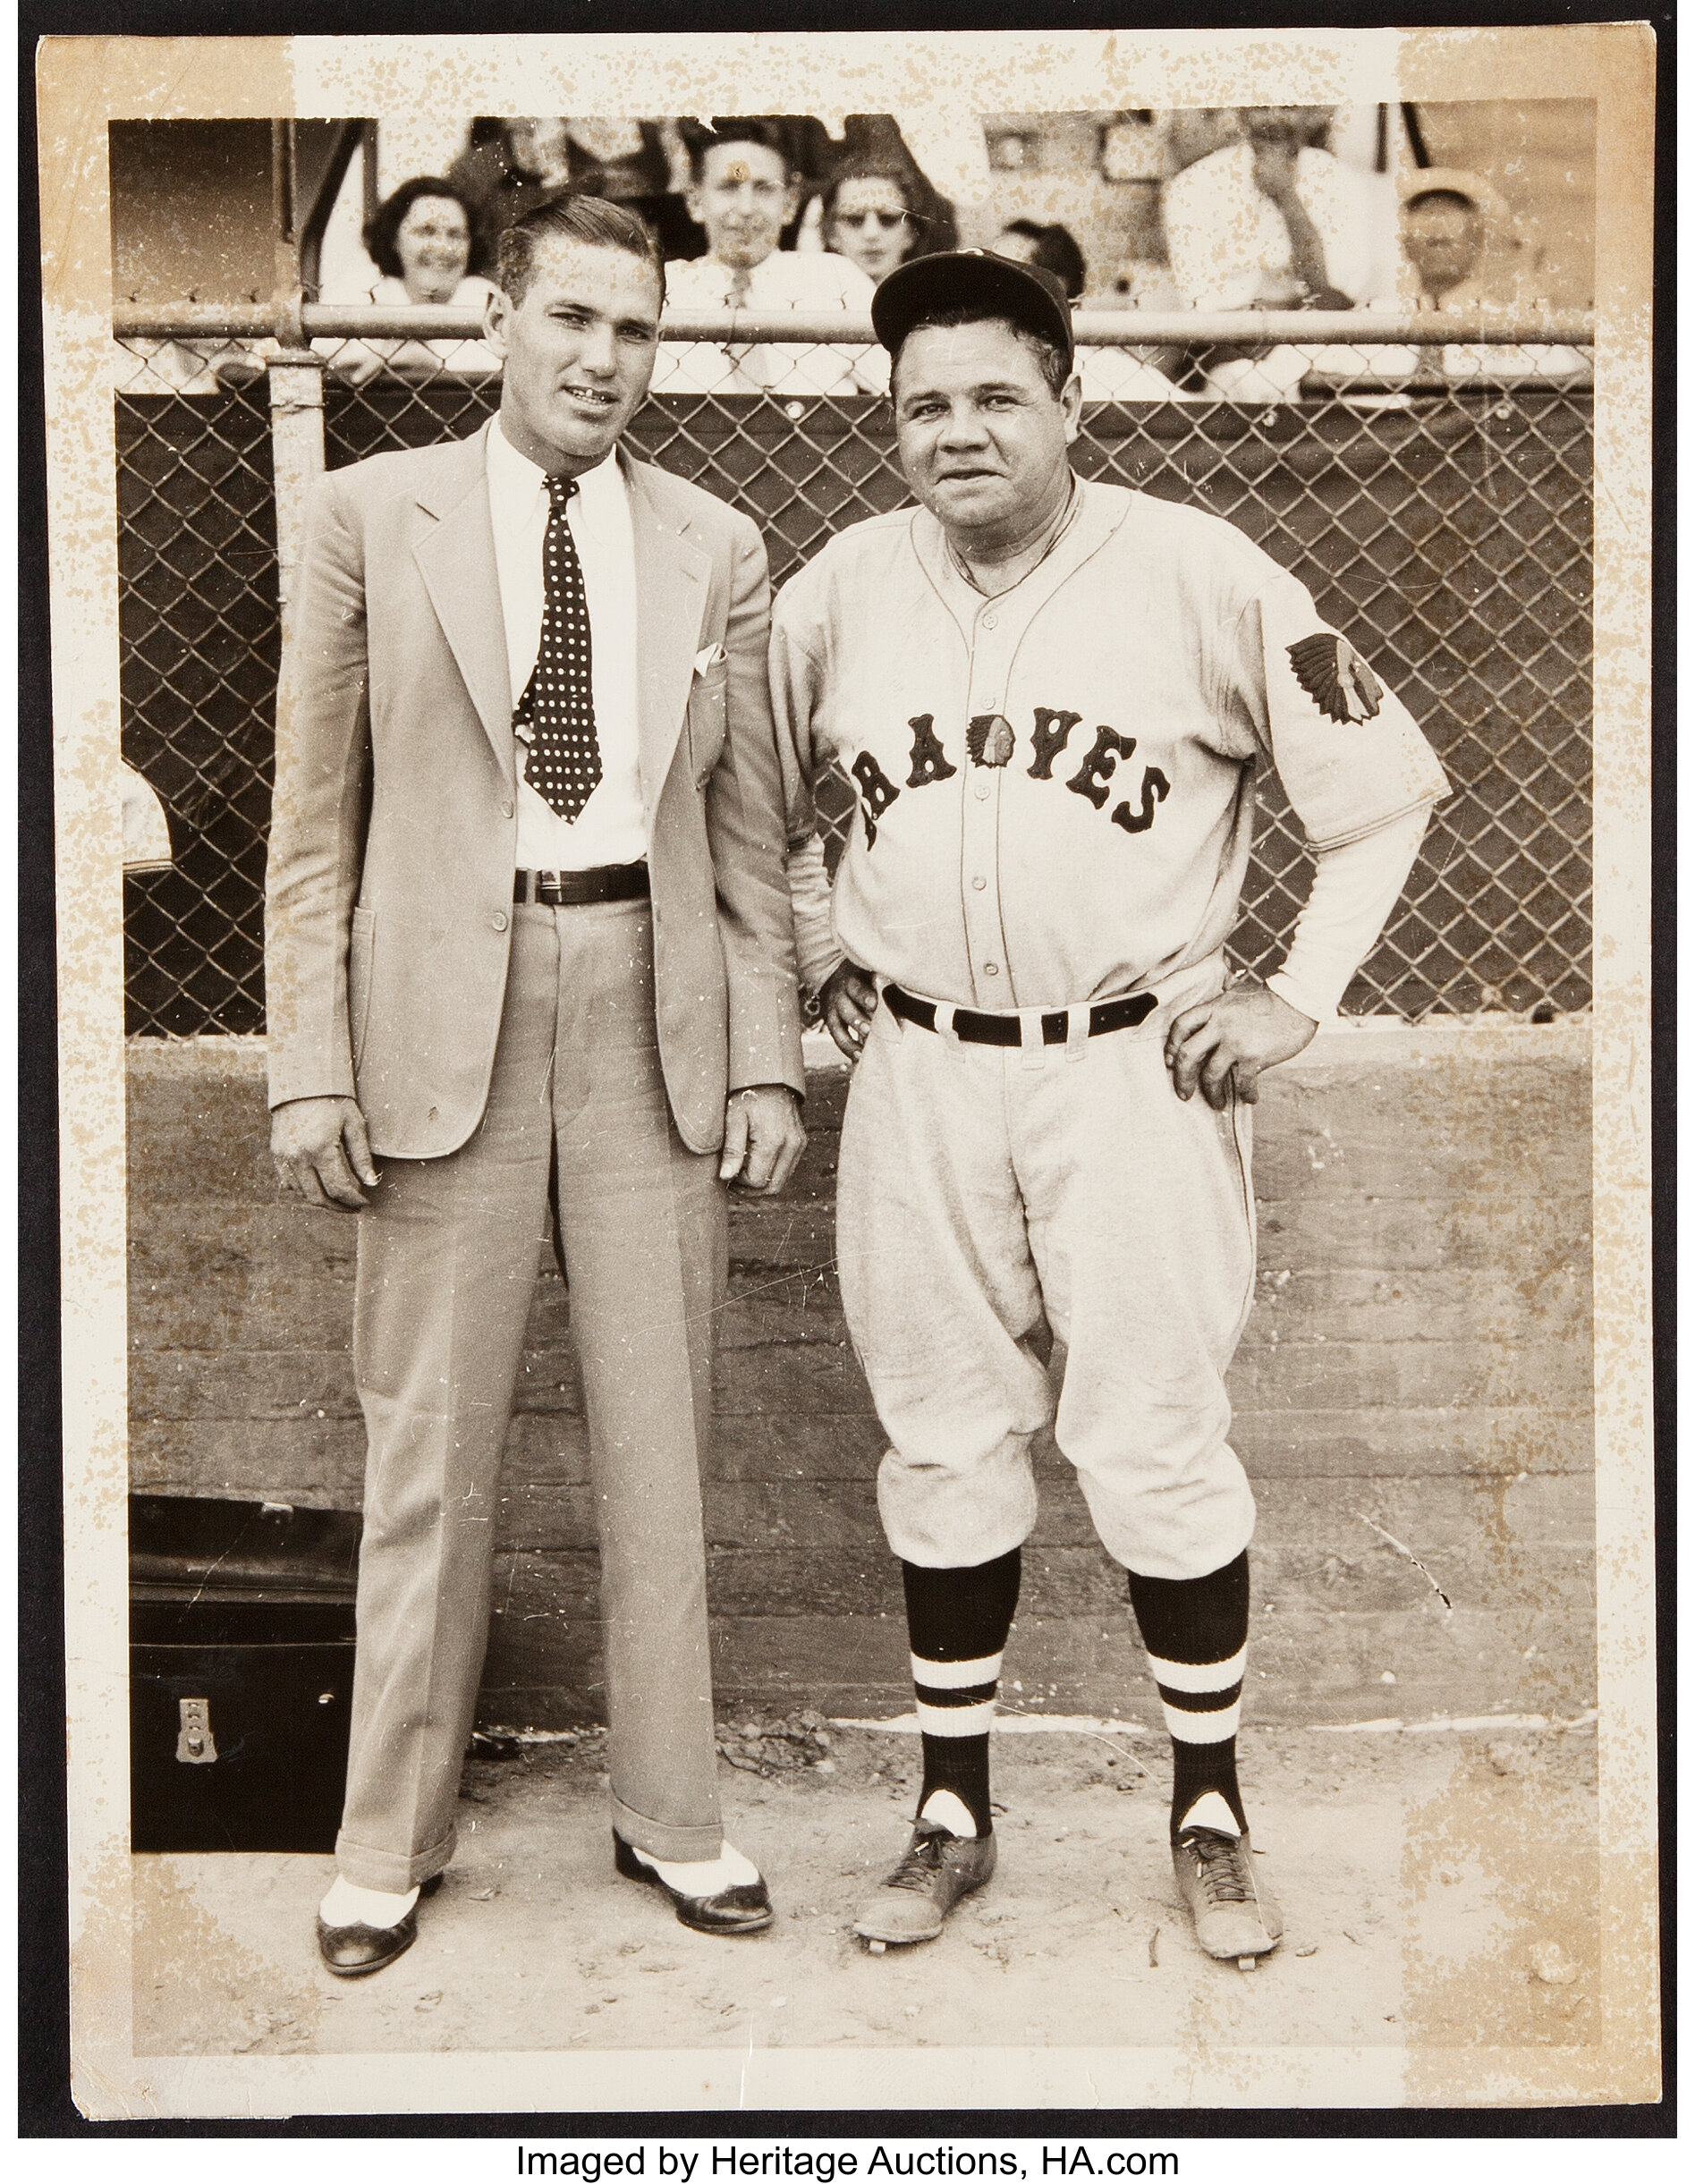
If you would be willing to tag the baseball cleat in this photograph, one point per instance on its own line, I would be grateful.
(1234, 1916)
(913, 1902)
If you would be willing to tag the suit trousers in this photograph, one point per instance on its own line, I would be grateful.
(448, 1251)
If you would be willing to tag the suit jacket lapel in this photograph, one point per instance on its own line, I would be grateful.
(456, 560)
(672, 575)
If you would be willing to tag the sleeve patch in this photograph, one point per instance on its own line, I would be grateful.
(1336, 678)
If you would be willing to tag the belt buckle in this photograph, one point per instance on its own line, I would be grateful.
(550, 888)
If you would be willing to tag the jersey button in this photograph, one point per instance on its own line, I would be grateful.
(993, 970)
(977, 880)
(981, 785)
(498, 921)
(990, 621)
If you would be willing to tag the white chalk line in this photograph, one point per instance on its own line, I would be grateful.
(906, 1724)
(1099, 1724)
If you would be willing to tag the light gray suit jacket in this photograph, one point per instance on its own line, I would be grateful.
(388, 896)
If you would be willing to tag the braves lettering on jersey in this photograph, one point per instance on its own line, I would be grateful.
(1055, 786)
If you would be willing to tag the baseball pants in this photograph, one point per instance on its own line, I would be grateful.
(991, 1196)
(448, 1251)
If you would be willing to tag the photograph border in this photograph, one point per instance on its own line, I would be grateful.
(83, 89)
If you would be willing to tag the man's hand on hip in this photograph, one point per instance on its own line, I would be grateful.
(763, 1138)
(847, 1002)
(322, 1151)
(1233, 1037)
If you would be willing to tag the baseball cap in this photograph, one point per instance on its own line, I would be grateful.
(1028, 295)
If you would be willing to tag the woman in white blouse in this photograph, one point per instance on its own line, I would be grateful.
(423, 240)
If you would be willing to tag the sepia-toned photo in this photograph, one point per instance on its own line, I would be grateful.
(853, 953)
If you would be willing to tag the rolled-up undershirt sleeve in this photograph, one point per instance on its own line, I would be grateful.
(797, 682)
(817, 950)
(1354, 887)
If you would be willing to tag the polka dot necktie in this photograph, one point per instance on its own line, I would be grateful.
(555, 715)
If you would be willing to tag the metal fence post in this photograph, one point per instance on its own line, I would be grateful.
(296, 378)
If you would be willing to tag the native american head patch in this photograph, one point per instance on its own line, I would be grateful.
(989, 740)
(1336, 678)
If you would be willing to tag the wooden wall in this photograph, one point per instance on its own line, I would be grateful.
(1418, 1365)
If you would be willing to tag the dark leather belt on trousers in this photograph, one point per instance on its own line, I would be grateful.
(979, 1030)
(598, 884)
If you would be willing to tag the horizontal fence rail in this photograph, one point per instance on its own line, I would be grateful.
(258, 321)
(1429, 477)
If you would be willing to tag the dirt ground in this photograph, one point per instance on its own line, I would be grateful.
(1433, 1885)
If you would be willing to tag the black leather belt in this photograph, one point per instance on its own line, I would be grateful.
(978, 1029)
(599, 883)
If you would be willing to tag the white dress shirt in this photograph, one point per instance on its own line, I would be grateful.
(1230, 245)
(786, 280)
(1227, 237)
(612, 827)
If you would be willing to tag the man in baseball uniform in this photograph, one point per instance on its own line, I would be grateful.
(1053, 698)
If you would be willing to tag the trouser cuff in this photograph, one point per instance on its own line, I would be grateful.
(662, 1839)
(392, 1871)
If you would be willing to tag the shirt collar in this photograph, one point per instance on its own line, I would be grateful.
(517, 480)
(726, 274)
(1099, 514)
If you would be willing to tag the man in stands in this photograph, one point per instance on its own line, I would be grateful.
(1275, 222)
(743, 193)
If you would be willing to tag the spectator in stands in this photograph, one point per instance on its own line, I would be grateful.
(1107, 373)
(743, 193)
(871, 214)
(873, 144)
(802, 141)
(1451, 223)
(424, 240)
(1190, 132)
(1466, 251)
(1274, 222)
(510, 167)
(1051, 246)
(813, 158)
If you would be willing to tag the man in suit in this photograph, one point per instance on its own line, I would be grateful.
(528, 936)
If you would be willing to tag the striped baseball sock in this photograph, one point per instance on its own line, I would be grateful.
(1196, 1633)
(957, 1621)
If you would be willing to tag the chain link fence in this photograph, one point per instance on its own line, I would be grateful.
(1436, 497)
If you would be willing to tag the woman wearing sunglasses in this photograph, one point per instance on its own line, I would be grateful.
(870, 215)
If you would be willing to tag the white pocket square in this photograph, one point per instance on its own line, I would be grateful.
(705, 661)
